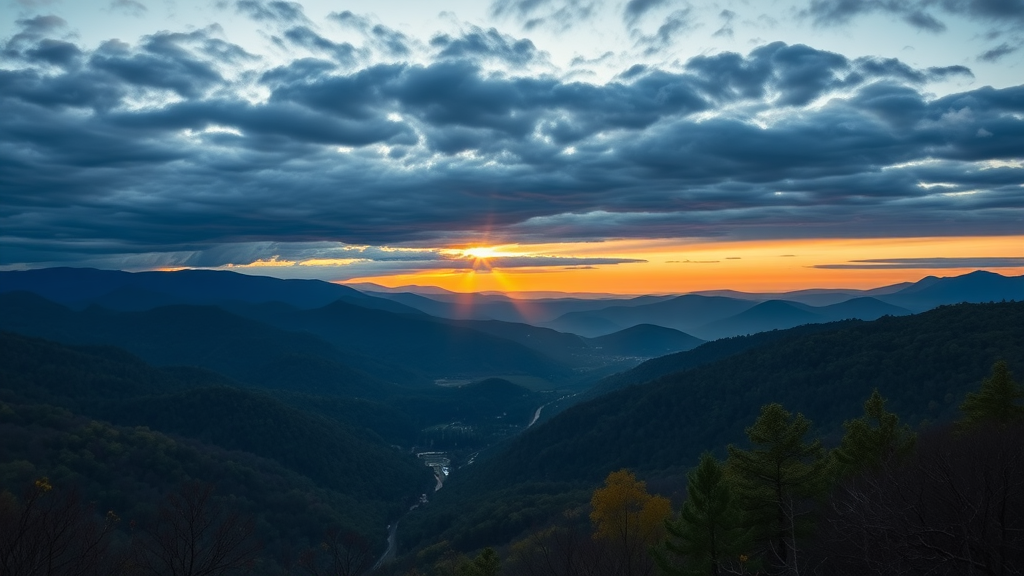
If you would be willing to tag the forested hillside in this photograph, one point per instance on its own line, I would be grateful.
(924, 364)
(125, 434)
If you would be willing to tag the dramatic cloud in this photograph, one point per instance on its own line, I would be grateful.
(184, 149)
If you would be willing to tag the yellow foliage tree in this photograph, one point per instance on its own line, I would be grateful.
(629, 521)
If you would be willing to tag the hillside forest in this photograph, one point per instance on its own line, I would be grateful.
(161, 424)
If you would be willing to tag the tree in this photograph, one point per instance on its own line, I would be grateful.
(872, 438)
(954, 505)
(485, 564)
(775, 481)
(564, 549)
(997, 401)
(629, 521)
(196, 537)
(52, 532)
(709, 532)
(341, 553)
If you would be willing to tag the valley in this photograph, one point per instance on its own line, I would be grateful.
(315, 409)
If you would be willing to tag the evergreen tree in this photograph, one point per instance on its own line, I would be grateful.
(775, 480)
(997, 400)
(871, 438)
(709, 532)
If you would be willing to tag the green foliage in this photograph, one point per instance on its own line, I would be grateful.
(775, 478)
(298, 473)
(709, 533)
(924, 364)
(997, 401)
(871, 438)
(704, 354)
(486, 563)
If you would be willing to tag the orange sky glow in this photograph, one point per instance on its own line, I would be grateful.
(757, 266)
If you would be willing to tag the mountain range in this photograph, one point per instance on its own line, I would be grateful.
(324, 394)
(703, 399)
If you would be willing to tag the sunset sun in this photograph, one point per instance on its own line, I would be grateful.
(482, 252)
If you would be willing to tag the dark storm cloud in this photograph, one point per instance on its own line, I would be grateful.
(161, 63)
(797, 73)
(31, 30)
(724, 146)
(55, 52)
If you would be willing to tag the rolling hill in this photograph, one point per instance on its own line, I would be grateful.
(128, 291)
(924, 364)
(125, 431)
(723, 313)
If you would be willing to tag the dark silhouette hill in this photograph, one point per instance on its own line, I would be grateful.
(912, 360)
(614, 349)
(704, 354)
(864, 308)
(127, 291)
(216, 431)
(307, 348)
(207, 336)
(477, 306)
(734, 314)
(437, 349)
(780, 314)
(770, 315)
(569, 349)
(683, 313)
(646, 340)
(979, 286)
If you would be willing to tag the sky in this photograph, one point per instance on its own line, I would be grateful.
(637, 146)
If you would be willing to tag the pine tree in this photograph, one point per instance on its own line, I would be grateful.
(774, 482)
(871, 438)
(997, 401)
(709, 533)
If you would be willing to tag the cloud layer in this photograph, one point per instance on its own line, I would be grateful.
(182, 143)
